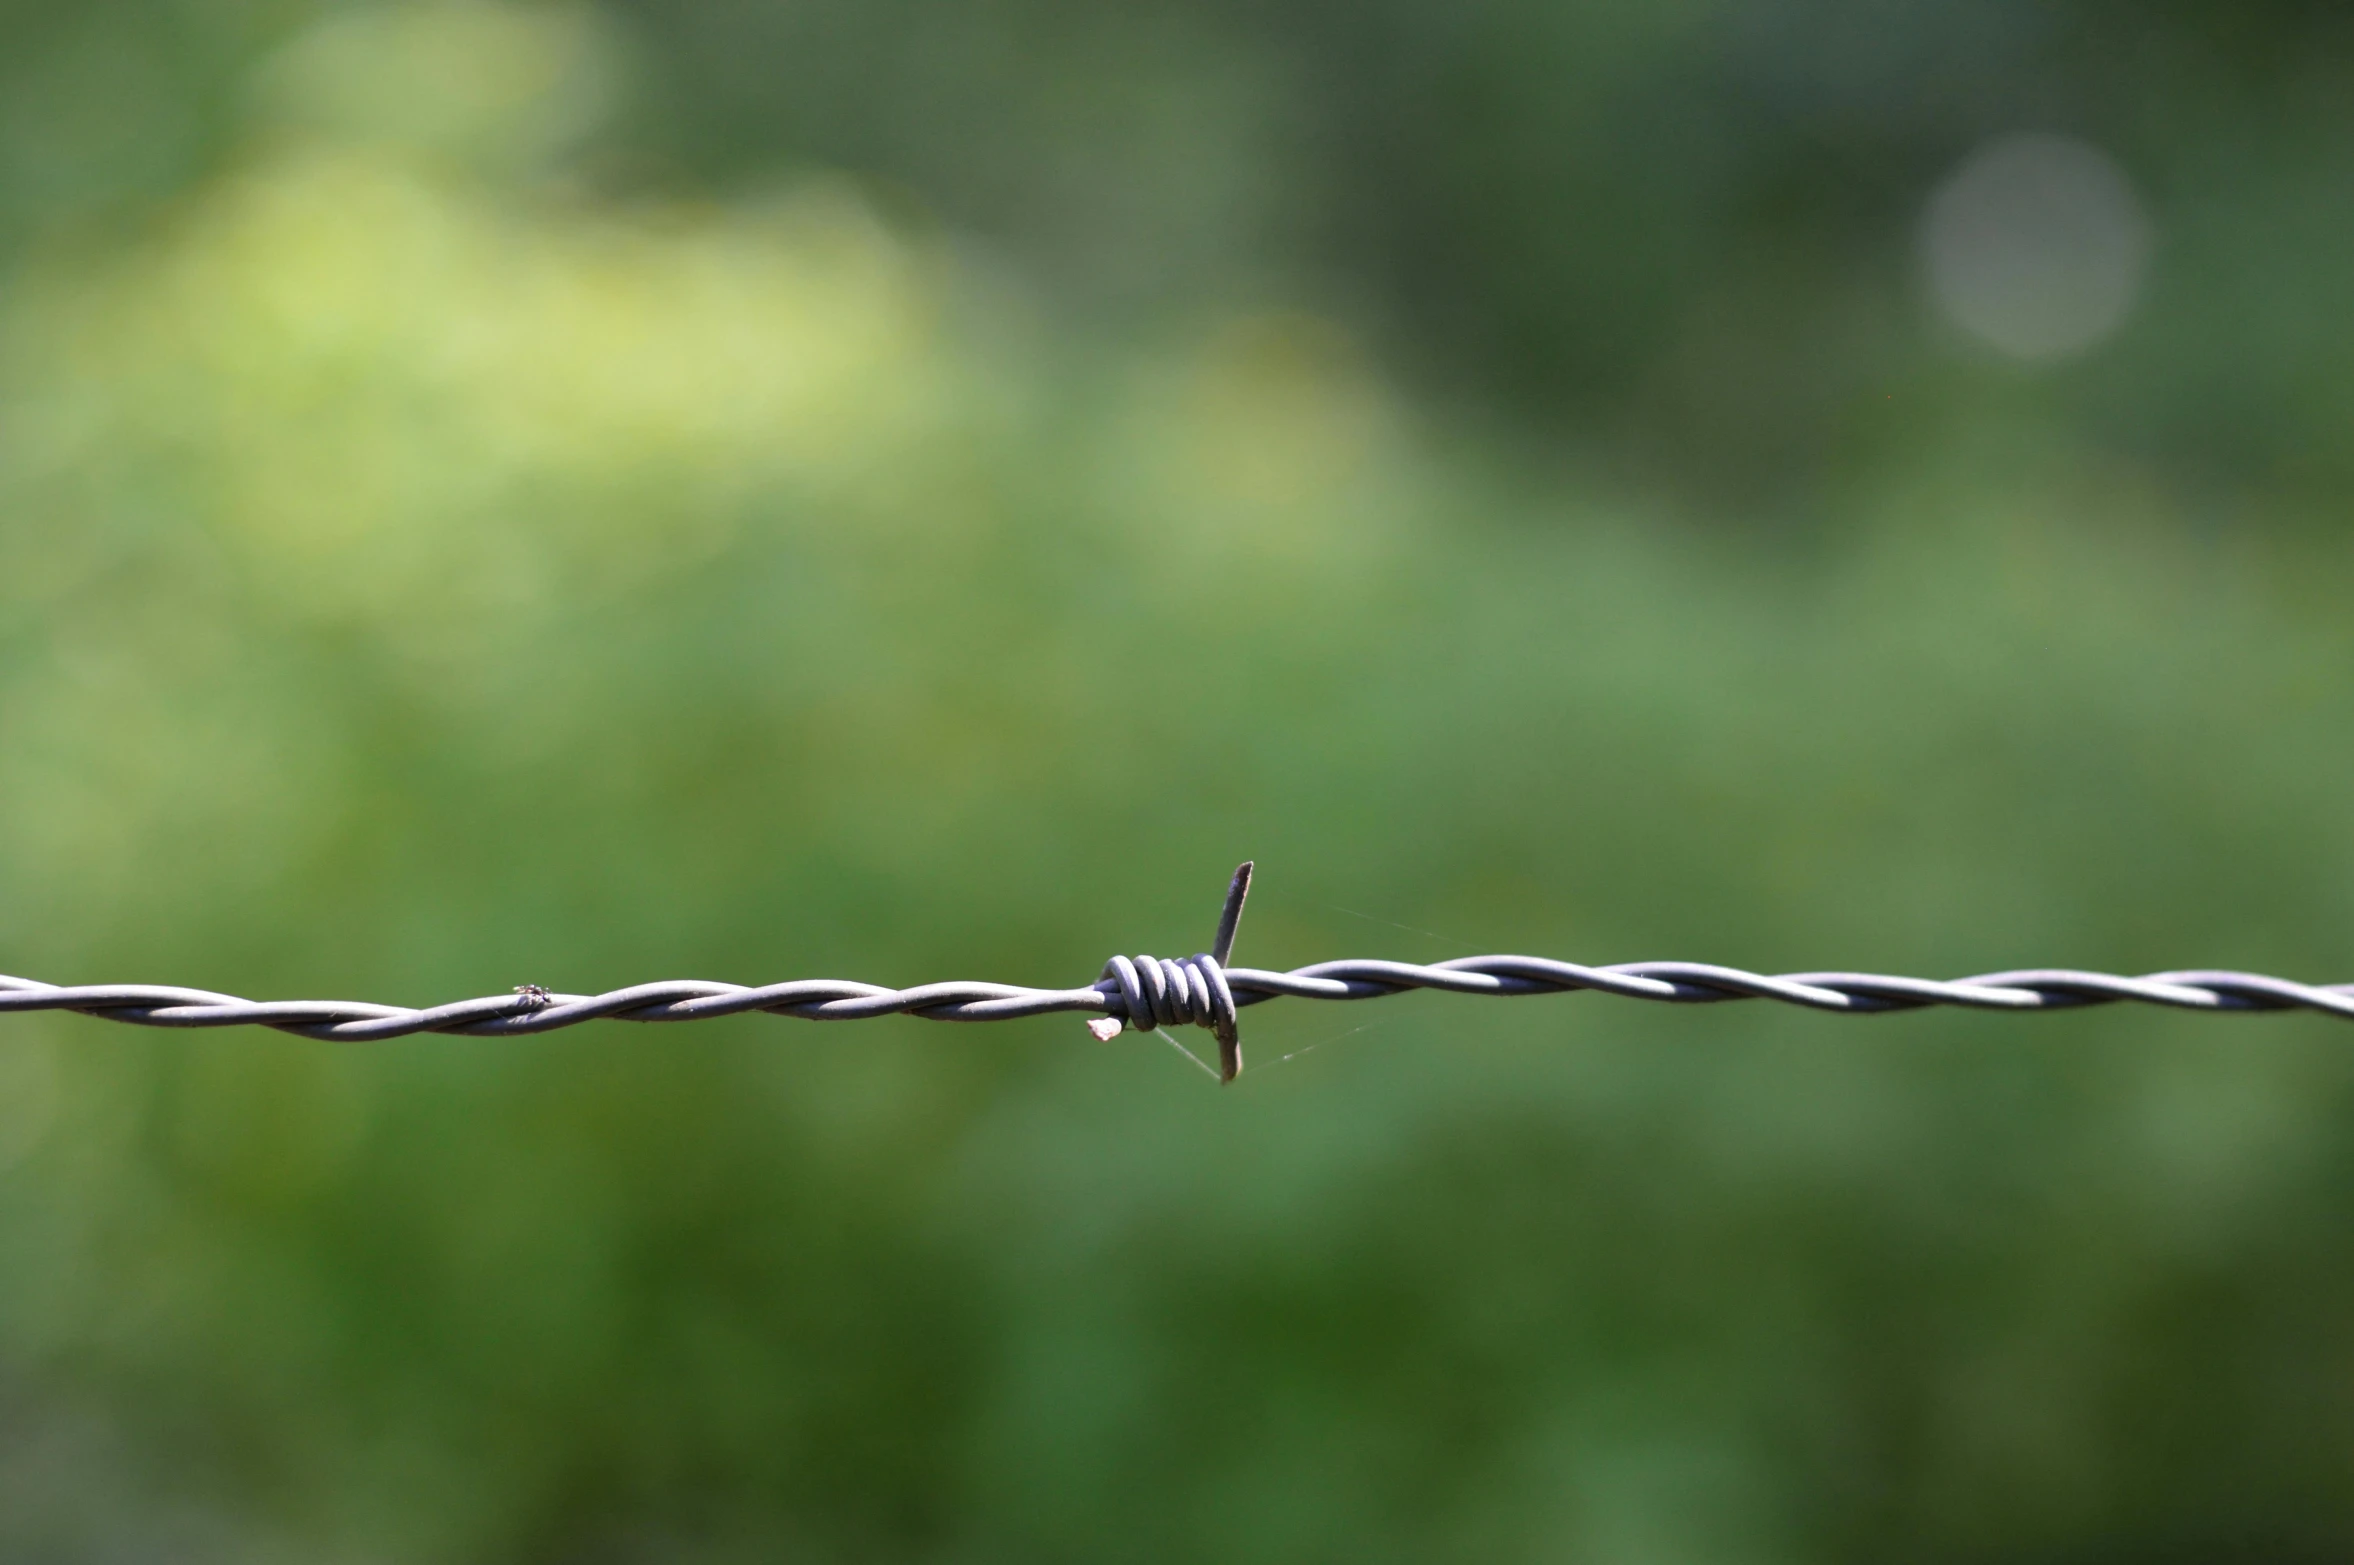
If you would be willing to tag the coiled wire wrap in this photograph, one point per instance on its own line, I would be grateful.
(1157, 993)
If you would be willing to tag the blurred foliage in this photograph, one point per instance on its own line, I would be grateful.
(903, 492)
(1670, 242)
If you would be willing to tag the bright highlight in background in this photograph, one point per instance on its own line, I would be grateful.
(2036, 245)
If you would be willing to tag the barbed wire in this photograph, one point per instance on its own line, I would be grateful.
(1146, 993)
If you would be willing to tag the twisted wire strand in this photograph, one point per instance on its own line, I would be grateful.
(835, 1000)
(1147, 992)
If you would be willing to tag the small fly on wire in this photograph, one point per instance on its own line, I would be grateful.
(1149, 994)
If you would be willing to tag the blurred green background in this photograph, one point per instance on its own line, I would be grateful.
(907, 491)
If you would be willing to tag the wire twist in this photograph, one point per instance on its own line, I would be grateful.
(1147, 992)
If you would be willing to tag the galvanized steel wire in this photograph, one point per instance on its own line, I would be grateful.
(1147, 992)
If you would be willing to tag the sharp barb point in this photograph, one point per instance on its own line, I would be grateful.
(1236, 892)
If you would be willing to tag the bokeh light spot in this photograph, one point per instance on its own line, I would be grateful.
(2035, 245)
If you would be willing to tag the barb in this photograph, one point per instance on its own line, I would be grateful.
(1147, 993)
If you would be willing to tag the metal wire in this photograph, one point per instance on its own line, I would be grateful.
(1147, 992)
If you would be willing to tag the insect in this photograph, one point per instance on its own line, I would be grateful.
(534, 996)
